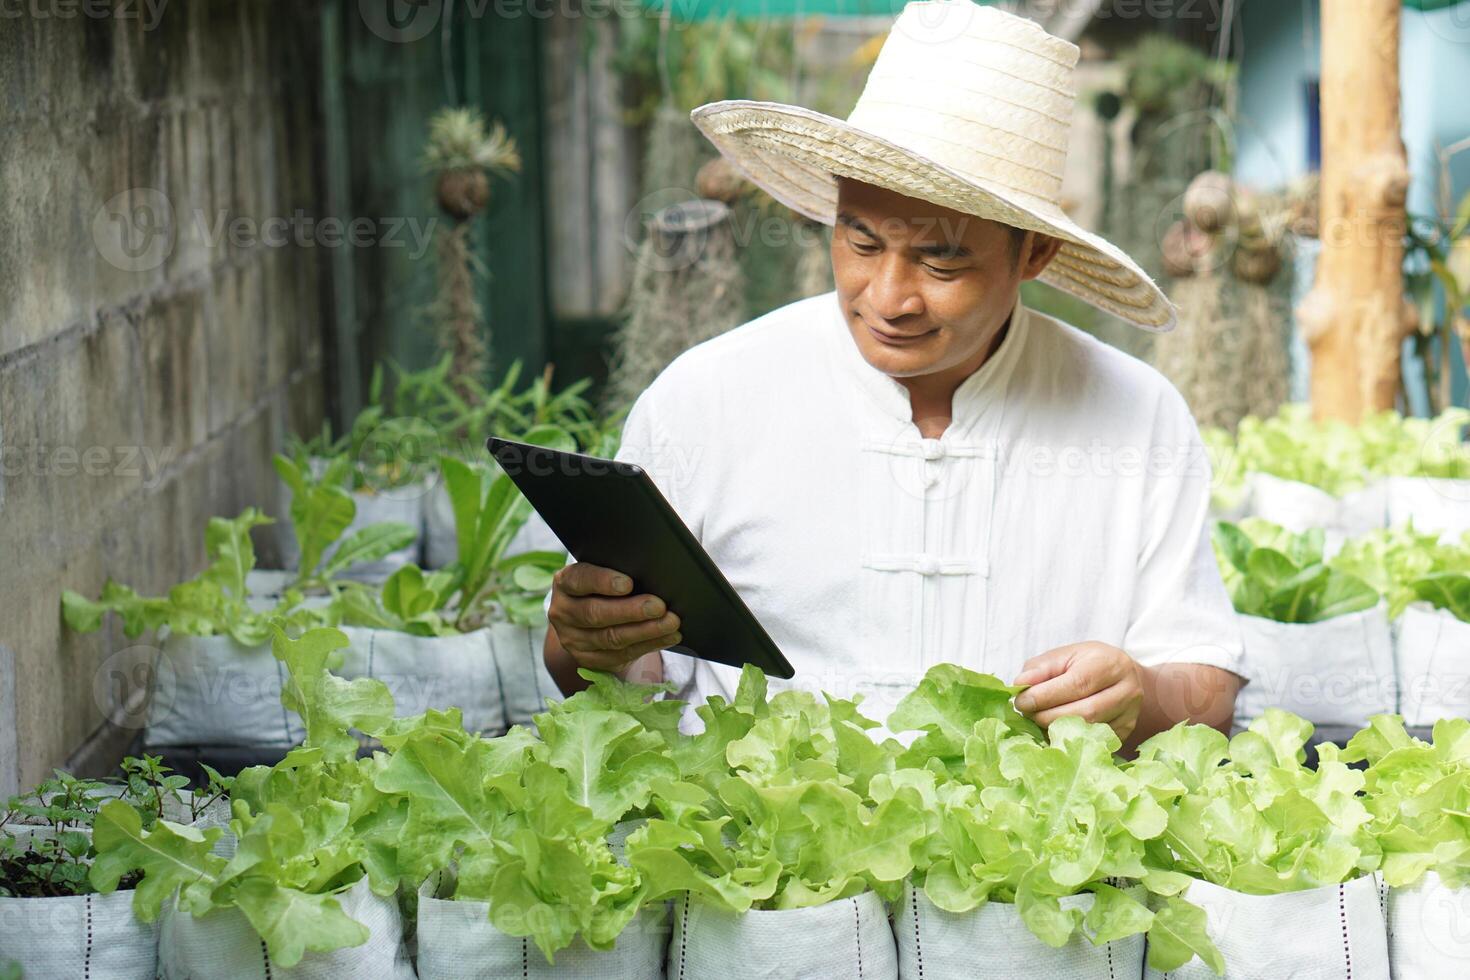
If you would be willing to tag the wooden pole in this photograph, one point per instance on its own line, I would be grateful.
(1355, 317)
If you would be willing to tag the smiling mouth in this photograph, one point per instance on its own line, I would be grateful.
(895, 339)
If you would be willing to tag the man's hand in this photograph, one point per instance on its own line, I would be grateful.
(1094, 680)
(600, 625)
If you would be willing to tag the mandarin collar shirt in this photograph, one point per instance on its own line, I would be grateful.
(1066, 501)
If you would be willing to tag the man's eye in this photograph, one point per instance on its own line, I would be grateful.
(866, 248)
(938, 271)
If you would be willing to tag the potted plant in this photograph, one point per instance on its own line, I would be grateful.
(330, 538)
(469, 635)
(1316, 638)
(773, 846)
(56, 923)
(1044, 854)
(1426, 583)
(1416, 793)
(380, 469)
(1279, 856)
(214, 681)
(302, 889)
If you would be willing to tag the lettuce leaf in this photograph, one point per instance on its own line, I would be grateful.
(1278, 575)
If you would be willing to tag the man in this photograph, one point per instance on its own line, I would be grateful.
(915, 468)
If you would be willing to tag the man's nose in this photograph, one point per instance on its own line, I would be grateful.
(892, 293)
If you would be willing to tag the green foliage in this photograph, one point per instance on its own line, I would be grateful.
(1337, 457)
(1247, 814)
(321, 512)
(1275, 574)
(304, 828)
(213, 604)
(1418, 796)
(64, 809)
(1404, 565)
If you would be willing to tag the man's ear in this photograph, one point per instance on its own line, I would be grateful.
(1037, 251)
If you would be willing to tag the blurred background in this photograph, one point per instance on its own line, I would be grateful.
(232, 229)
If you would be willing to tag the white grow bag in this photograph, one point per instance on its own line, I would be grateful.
(992, 943)
(211, 690)
(496, 675)
(1299, 507)
(1326, 933)
(1432, 650)
(849, 939)
(441, 546)
(95, 936)
(1428, 930)
(1336, 672)
(1432, 504)
(223, 945)
(457, 941)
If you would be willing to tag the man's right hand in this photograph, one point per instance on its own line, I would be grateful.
(600, 625)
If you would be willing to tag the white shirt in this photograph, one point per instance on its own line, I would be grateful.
(1066, 501)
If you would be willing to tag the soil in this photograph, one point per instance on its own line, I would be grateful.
(14, 871)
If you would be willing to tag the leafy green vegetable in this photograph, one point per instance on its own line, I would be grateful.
(214, 603)
(303, 826)
(1418, 795)
(1251, 816)
(1275, 574)
(55, 860)
(484, 582)
(1337, 457)
(1405, 565)
(321, 512)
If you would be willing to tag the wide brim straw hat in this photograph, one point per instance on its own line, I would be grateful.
(967, 107)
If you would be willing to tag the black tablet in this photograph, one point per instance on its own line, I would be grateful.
(610, 513)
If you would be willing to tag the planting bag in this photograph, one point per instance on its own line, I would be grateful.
(1336, 672)
(1428, 930)
(849, 939)
(441, 547)
(495, 675)
(992, 943)
(456, 941)
(224, 946)
(1432, 650)
(210, 690)
(524, 680)
(1299, 507)
(93, 936)
(1329, 933)
(1432, 504)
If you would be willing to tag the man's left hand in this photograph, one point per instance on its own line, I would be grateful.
(1094, 680)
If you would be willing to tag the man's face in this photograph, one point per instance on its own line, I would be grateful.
(925, 289)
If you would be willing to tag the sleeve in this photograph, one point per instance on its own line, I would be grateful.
(1181, 612)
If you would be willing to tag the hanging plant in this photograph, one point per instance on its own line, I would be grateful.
(463, 155)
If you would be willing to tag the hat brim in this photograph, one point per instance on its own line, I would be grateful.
(795, 154)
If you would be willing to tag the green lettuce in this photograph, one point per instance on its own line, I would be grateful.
(297, 843)
(1249, 815)
(213, 604)
(1418, 796)
(1278, 575)
(1405, 565)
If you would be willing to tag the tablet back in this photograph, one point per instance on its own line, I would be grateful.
(610, 513)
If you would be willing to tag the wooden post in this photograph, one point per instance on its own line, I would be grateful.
(1355, 317)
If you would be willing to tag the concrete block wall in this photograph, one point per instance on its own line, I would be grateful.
(150, 362)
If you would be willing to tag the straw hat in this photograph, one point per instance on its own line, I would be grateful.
(967, 107)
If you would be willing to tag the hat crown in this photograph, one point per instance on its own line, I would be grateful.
(983, 92)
